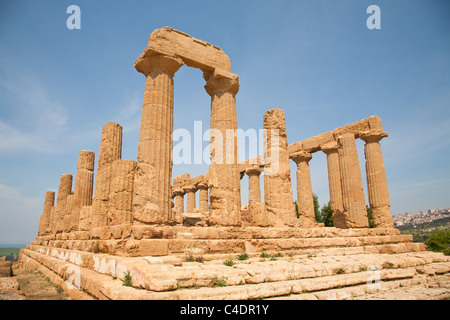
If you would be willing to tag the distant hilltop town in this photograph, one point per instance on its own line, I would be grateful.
(420, 217)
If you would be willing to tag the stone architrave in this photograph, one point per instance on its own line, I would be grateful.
(352, 187)
(152, 190)
(376, 180)
(334, 184)
(121, 192)
(84, 184)
(203, 203)
(190, 198)
(64, 190)
(45, 217)
(279, 202)
(224, 174)
(110, 151)
(305, 200)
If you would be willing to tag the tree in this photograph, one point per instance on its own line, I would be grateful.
(369, 216)
(439, 241)
(326, 215)
(316, 208)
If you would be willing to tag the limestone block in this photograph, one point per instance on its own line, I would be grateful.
(85, 218)
(295, 147)
(354, 128)
(313, 144)
(180, 181)
(8, 284)
(153, 247)
(194, 52)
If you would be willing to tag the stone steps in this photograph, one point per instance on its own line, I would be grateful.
(164, 247)
(299, 276)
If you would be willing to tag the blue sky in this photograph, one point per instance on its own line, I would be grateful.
(316, 60)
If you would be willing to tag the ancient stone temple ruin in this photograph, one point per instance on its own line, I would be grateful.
(141, 222)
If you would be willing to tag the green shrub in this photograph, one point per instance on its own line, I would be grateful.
(243, 256)
(127, 279)
(439, 241)
(229, 262)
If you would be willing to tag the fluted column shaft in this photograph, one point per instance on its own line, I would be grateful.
(305, 200)
(110, 151)
(44, 220)
(224, 176)
(190, 201)
(154, 172)
(64, 190)
(352, 187)
(377, 186)
(84, 183)
(121, 192)
(279, 202)
(179, 201)
(334, 184)
(203, 199)
(254, 188)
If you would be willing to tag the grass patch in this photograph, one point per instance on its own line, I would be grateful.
(229, 262)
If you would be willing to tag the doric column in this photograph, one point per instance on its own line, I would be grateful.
(121, 192)
(110, 151)
(190, 200)
(224, 182)
(376, 180)
(352, 187)
(84, 183)
(203, 201)
(334, 184)
(305, 200)
(64, 190)
(45, 217)
(279, 202)
(152, 200)
(179, 201)
(254, 189)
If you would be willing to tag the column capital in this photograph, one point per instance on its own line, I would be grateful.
(330, 147)
(202, 186)
(217, 82)
(372, 136)
(301, 156)
(190, 188)
(179, 192)
(253, 171)
(159, 63)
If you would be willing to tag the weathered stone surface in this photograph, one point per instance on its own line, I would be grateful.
(224, 172)
(305, 200)
(334, 184)
(5, 268)
(352, 188)
(64, 190)
(376, 179)
(110, 151)
(154, 171)
(314, 144)
(193, 52)
(280, 210)
(121, 192)
(49, 202)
